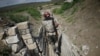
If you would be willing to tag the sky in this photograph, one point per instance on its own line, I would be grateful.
(4, 3)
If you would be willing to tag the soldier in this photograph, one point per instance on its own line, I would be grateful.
(51, 25)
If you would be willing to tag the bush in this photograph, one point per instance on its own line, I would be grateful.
(31, 10)
(57, 11)
(18, 18)
(74, 10)
(4, 50)
(34, 13)
(65, 6)
(57, 3)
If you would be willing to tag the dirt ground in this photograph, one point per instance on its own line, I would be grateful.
(84, 26)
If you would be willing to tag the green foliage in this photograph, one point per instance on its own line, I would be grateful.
(57, 11)
(57, 3)
(4, 50)
(75, 1)
(31, 10)
(74, 10)
(70, 19)
(18, 18)
(65, 6)
(34, 13)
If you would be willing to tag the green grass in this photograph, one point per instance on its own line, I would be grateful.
(18, 18)
(57, 11)
(70, 19)
(34, 13)
(65, 6)
(74, 10)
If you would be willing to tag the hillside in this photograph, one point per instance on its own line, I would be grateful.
(81, 23)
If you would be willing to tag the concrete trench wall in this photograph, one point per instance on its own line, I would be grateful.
(67, 48)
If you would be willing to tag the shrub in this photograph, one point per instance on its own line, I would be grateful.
(57, 11)
(65, 6)
(4, 50)
(57, 3)
(18, 18)
(34, 13)
(74, 10)
(31, 10)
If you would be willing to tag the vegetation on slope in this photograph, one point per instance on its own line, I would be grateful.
(4, 50)
(65, 6)
(19, 18)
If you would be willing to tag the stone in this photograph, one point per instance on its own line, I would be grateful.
(12, 31)
(22, 25)
(1, 35)
(12, 36)
(24, 31)
(12, 39)
(97, 46)
(4, 41)
(31, 46)
(22, 52)
(17, 47)
(26, 36)
(85, 49)
(29, 41)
